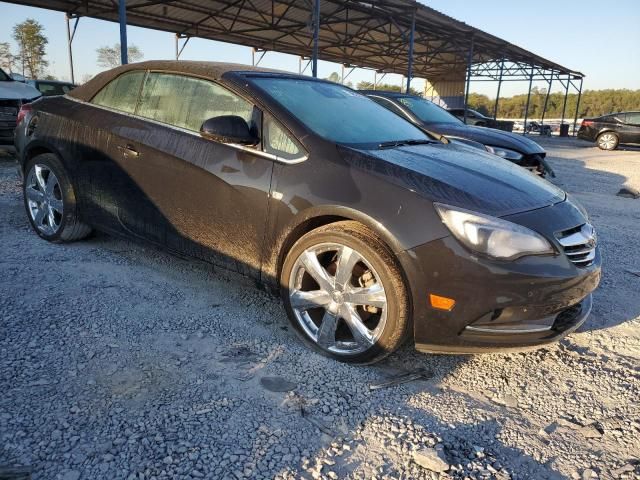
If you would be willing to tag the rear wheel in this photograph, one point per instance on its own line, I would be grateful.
(50, 200)
(607, 141)
(344, 293)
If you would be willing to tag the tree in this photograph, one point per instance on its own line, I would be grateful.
(363, 85)
(31, 43)
(334, 77)
(7, 59)
(109, 57)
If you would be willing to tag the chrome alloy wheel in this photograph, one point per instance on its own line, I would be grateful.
(338, 298)
(607, 141)
(44, 199)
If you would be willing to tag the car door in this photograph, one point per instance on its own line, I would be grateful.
(101, 175)
(630, 128)
(194, 195)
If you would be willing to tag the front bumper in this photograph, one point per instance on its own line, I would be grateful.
(499, 305)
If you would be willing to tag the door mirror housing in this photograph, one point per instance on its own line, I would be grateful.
(228, 129)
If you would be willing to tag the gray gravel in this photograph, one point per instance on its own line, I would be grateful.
(119, 361)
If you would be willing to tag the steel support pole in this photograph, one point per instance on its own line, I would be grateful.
(526, 110)
(316, 34)
(69, 42)
(566, 94)
(375, 79)
(575, 119)
(546, 98)
(122, 18)
(466, 93)
(177, 51)
(495, 107)
(411, 41)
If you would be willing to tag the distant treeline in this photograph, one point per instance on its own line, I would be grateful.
(592, 104)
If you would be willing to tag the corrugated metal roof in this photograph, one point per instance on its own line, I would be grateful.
(370, 34)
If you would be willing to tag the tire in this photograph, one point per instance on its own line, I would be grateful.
(50, 200)
(607, 141)
(328, 277)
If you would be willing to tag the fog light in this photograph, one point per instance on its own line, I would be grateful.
(441, 303)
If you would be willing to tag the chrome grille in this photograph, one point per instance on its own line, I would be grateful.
(579, 244)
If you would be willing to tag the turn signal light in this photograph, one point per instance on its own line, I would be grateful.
(441, 303)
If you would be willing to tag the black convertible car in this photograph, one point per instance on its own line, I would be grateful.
(434, 119)
(371, 230)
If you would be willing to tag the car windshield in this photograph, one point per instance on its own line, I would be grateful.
(338, 113)
(427, 111)
(4, 77)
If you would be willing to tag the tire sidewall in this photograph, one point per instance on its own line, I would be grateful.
(66, 189)
(397, 308)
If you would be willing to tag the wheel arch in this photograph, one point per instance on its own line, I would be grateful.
(38, 147)
(311, 219)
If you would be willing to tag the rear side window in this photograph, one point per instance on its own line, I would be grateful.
(121, 93)
(186, 102)
(633, 118)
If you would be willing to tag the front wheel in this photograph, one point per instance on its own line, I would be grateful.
(344, 293)
(607, 141)
(50, 200)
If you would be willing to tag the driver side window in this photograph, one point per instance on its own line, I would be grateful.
(186, 102)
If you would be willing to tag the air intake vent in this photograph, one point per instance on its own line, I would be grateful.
(579, 244)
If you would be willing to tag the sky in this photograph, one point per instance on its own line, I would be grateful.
(603, 42)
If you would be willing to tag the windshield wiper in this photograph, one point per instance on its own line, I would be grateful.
(399, 143)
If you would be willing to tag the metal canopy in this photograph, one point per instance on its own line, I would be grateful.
(374, 34)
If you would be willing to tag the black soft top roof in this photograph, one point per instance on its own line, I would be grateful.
(211, 70)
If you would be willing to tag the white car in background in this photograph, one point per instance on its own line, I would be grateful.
(13, 95)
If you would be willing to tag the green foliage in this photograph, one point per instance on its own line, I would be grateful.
(7, 59)
(385, 87)
(334, 77)
(592, 104)
(31, 44)
(109, 57)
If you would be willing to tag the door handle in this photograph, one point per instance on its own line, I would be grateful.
(128, 151)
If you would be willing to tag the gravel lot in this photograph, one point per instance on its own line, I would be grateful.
(119, 361)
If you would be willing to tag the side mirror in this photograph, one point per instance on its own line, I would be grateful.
(228, 129)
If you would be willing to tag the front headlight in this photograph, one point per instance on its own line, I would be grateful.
(492, 236)
(504, 152)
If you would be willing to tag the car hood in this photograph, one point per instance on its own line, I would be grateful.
(487, 136)
(17, 90)
(458, 175)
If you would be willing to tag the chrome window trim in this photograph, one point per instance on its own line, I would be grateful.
(236, 146)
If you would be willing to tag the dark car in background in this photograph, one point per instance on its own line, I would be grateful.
(51, 87)
(609, 131)
(433, 118)
(371, 230)
(479, 120)
(473, 117)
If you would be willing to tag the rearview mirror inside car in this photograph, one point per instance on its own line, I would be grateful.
(228, 129)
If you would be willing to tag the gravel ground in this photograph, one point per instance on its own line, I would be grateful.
(119, 361)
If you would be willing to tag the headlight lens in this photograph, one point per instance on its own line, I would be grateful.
(504, 152)
(492, 236)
